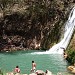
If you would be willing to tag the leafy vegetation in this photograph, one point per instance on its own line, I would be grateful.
(71, 56)
(71, 50)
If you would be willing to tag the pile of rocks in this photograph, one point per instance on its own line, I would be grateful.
(38, 72)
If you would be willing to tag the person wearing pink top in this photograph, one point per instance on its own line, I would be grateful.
(17, 69)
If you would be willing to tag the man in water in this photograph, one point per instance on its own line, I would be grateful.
(33, 66)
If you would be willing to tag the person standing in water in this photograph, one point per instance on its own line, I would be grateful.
(33, 67)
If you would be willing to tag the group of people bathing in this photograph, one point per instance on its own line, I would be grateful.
(17, 69)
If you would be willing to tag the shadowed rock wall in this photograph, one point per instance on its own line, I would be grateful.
(36, 24)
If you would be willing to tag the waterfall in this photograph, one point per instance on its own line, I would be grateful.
(69, 29)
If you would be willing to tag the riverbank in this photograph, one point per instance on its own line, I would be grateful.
(16, 42)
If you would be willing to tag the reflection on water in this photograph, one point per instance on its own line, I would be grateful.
(52, 62)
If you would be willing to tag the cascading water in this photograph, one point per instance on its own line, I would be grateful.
(69, 28)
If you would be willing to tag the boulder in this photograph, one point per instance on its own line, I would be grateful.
(48, 72)
(11, 73)
(33, 74)
(24, 74)
(40, 72)
(72, 69)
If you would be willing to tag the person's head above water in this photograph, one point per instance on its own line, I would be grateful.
(17, 66)
(32, 61)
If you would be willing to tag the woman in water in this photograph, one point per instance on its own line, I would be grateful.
(17, 69)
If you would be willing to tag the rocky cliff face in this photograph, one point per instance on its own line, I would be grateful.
(33, 24)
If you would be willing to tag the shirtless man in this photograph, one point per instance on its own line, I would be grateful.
(33, 66)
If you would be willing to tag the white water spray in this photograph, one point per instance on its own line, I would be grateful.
(69, 29)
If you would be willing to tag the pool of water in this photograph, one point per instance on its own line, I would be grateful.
(53, 62)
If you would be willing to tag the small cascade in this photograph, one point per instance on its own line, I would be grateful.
(62, 45)
(69, 29)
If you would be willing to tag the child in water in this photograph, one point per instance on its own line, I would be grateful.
(17, 69)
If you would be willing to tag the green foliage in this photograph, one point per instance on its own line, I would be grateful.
(1, 73)
(71, 56)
